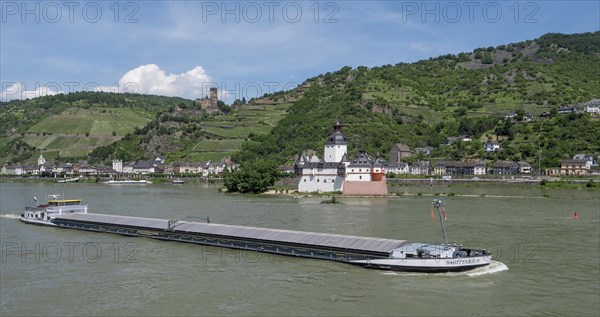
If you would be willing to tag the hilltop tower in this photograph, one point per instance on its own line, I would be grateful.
(209, 103)
(213, 98)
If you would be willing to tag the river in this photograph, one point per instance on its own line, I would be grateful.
(545, 262)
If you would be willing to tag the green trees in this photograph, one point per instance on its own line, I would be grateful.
(252, 177)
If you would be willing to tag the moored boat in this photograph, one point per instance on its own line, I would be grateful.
(127, 182)
(68, 180)
(177, 181)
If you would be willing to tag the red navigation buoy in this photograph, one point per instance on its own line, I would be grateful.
(575, 216)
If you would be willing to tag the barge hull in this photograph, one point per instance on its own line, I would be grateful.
(341, 248)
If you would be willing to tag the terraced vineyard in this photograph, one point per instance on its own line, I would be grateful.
(95, 121)
(77, 131)
(227, 133)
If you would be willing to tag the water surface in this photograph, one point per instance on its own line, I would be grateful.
(553, 261)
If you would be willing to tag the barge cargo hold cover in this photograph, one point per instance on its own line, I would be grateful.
(335, 247)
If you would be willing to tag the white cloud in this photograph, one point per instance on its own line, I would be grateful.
(150, 79)
(145, 79)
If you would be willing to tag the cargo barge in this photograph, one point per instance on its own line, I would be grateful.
(378, 253)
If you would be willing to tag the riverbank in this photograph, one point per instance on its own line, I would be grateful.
(396, 186)
(94, 179)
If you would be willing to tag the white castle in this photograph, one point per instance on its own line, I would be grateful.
(361, 176)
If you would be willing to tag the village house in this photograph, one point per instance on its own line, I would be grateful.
(63, 168)
(480, 168)
(144, 167)
(592, 107)
(30, 170)
(425, 150)
(117, 166)
(187, 168)
(567, 109)
(524, 167)
(398, 168)
(459, 168)
(86, 169)
(505, 168)
(512, 117)
(286, 169)
(491, 146)
(573, 167)
(398, 152)
(169, 169)
(128, 168)
(439, 168)
(105, 170)
(7, 169)
(208, 169)
(420, 168)
(591, 160)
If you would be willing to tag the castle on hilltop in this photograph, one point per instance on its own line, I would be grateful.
(209, 103)
(361, 176)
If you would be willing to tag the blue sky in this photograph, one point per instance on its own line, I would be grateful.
(245, 48)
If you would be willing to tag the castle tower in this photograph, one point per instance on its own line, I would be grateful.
(336, 146)
(213, 98)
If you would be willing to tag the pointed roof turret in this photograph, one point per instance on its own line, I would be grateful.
(336, 138)
(345, 158)
(377, 162)
(362, 159)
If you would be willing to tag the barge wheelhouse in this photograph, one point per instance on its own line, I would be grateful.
(44, 214)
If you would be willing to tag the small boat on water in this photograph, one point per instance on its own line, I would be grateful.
(44, 214)
(177, 181)
(127, 182)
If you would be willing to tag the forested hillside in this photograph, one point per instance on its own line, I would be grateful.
(70, 126)
(466, 94)
(419, 104)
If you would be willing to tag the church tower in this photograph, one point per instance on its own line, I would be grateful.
(41, 160)
(336, 146)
